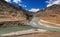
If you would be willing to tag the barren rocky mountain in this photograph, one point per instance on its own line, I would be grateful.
(51, 15)
(14, 16)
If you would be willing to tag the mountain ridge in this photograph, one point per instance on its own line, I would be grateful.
(12, 14)
(50, 14)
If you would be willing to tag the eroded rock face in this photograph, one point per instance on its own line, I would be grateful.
(51, 14)
(9, 13)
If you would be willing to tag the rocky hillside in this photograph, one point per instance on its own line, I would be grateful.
(10, 13)
(51, 14)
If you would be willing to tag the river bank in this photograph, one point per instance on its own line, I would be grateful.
(24, 32)
(45, 34)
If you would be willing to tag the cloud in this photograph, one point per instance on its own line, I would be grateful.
(23, 5)
(34, 10)
(17, 1)
(7, 0)
(52, 2)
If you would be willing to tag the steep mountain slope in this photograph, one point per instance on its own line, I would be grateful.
(50, 15)
(14, 16)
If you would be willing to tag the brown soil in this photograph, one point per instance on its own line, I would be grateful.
(46, 34)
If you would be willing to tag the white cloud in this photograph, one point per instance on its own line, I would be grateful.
(17, 1)
(52, 2)
(24, 5)
(7, 0)
(34, 10)
(20, 4)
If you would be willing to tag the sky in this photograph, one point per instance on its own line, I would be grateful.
(34, 5)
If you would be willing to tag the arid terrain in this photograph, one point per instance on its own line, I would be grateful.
(11, 16)
(46, 34)
(51, 15)
(14, 16)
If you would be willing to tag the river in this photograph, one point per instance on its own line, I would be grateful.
(35, 23)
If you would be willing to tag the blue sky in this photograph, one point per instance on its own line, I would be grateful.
(34, 5)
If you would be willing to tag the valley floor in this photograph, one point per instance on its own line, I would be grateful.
(46, 34)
